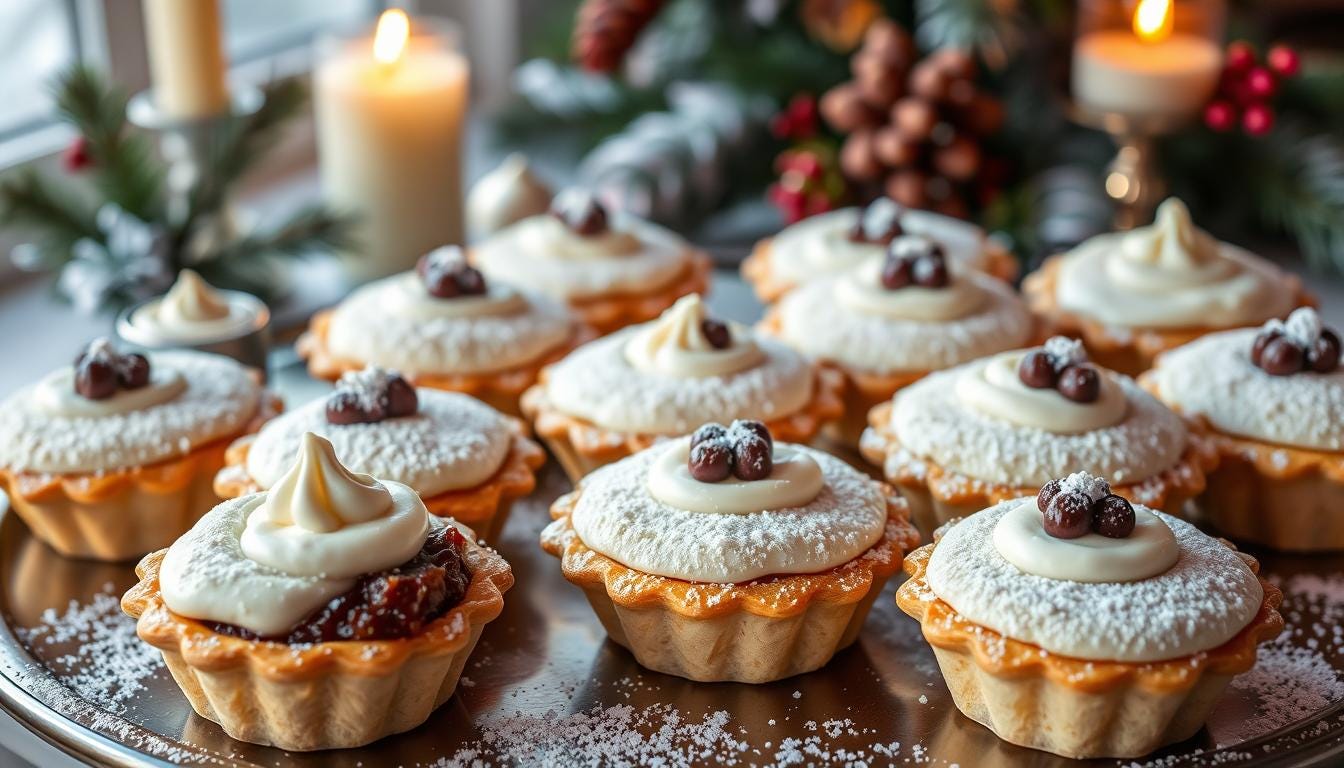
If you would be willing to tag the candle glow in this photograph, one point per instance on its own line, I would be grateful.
(1154, 20)
(389, 40)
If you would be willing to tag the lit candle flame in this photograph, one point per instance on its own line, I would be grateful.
(1153, 20)
(389, 41)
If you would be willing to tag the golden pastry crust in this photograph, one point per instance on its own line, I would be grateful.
(771, 596)
(1003, 656)
(327, 695)
(499, 389)
(757, 270)
(1130, 351)
(594, 446)
(478, 507)
(1166, 490)
(121, 514)
(614, 311)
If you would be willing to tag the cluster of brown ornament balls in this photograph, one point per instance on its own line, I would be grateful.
(914, 126)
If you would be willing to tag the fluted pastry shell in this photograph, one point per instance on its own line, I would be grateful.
(613, 311)
(769, 287)
(484, 508)
(1130, 351)
(499, 389)
(1073, 707)
(121, 514)
(937, 495)
(329, 695)
(582, 446)
(755, 632)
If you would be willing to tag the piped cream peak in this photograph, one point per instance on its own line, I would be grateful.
(1172, 242)
(320, 495)
(193, 300)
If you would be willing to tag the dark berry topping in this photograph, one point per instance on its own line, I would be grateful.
(931, 271)
(879, 223)
(370, 396)
(914, 260)
(1080, 383)
(716, 333)
(1282, 357)
(897, 273)
(446, 274)
(1068, 515)
(580, 211)
(711, 460)
(1323, 357)
(1113, 517)
(1262, 340)
(744, 450)
(1037, 370)
(1047, 492)
(100, 371)
(752, 458)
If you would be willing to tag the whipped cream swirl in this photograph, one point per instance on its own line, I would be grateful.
(794, 481)
(860, 289)
(1170, 275)
(992, 387)
(192, 312)
(675, 345)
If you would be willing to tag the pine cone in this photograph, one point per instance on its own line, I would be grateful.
(605, 30)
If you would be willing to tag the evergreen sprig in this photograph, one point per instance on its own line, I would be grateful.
(1301, 192)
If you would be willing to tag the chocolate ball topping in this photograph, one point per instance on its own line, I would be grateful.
(96, 379)
(1299, 344)
(752, 459)
(370, 396)
(717, 333)
(879, 223)
(1062, 364)
(1068, 515)
(446, 274)
(1282, 357)
(581, 212)
(744, 450)
(1037, 370)
(1323, 357)
(1048, 491)
(1080, 383)
(711, 460)
(1080, 504)
(1113, 517)
(100, 371)
(915, 260)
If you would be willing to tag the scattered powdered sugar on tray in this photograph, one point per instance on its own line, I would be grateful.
(107, 663)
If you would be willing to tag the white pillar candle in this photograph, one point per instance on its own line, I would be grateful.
(186, 58)
(1115, 71)
(390, 114)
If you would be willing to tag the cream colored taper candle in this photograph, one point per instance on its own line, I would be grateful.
(186, 58)
(390, 115)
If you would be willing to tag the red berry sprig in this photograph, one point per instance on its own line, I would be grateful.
(809, 183)
(77, 156)
(1248, 87)
(798, 121)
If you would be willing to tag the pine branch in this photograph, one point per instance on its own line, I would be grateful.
(248, 263)
(54, 216)
(126, 170)
(1300, 190)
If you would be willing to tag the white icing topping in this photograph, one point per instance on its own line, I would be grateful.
(206, 575)
(505, 195)
(993, 387)
(323, 520)
(616, 516)
(192, 312)
(814, 323)
(819, 245)
(542, 254)
(1201, 602)
(1303, 327)
(1214, 377)
(794, 481)
(407, 295)
(930, 422)
(1170, 275)
(219, 400)
(376, 324)
(452, 442)
(55, 394)
(1021, 539)
(675, 345)
(861, 290)
(597, 383)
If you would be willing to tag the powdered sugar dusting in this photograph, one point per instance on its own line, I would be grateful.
(1214, 377)
(1095, 488)
(597, 383)
(931, 423)
(1206, 598)
(1064, 351)
(1303, 326)
(219, 400)
(367, 384)
(616, 516)
(453, 441)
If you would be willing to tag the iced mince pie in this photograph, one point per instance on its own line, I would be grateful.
(998, 428)
(113, 456)
(890, 321)
(326, 612)
(1272, 402)
(612, 268)
(831, 243)
(463, 458)
(1132, 295)
(728, 556)
(1080, 624)
(444, 326)
(620, 394)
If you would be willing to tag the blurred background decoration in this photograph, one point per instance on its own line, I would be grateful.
(956, 105)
